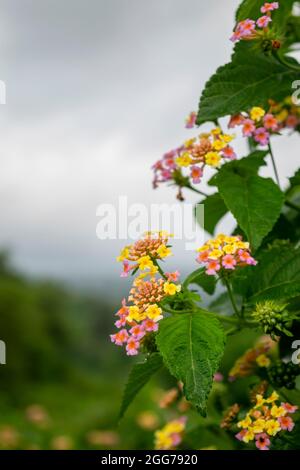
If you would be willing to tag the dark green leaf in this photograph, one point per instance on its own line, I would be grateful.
(214, 211)
(198, 277)
(192, 345)
(251, 79)
(138, 377)
(255, 202)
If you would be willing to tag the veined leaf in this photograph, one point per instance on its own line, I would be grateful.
(192, 345)
(255, 202)
(139, 375)
(251, 79)
(214, 211)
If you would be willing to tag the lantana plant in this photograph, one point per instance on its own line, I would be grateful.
(252, 274)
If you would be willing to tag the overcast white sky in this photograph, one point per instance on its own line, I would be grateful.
(97, 90)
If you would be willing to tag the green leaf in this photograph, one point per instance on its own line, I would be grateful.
(255, 202)
(277, 275)
(251, 79)
(192, 346)
(198, 277)
(214, 211)
(139, 375)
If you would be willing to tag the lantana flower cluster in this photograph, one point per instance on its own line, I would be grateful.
(286, 112)
(266, 420)
(170, 436)
(224, 253)
(249, 29)
(190, 159)
(140, 315)
(257, 124)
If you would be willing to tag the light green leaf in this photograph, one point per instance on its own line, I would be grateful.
(192, 345)
(139, 375)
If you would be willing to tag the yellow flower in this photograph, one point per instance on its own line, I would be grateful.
(174, 427)
(245, 423)
(282, 116)
(212, 159)
(257, 113)
(154, 312)
(150, 273)
(171, 289)
(215, 254)
(184, 159)
(145, 262)
(272, 398)
(249, 436)
(227, 138)
(124, 254)
(135, 314)
(163, 440)
(230, 249)
(218, 145)
(243, 245)
(277, 411)
(263, 361)
(272, 427)
(163, 251)
(216, 131)
(258, 426)
(260, 401)
(189, 143)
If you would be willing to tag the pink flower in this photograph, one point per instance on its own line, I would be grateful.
(228, 152)
(292, 121)
(123, 310)
(196, 174)
(263, 21)
(246, 27)
(262, 136)
(212, 267)
(173, 277)
(270, 122)
(191, 120)
(218, 377)
(176, 439)
(228, 262)
(248, 127)
(126, 269)
(202, 257)
(121, 322)
(262, 441)
(269, 7)
(236, 120)
(132, 346)
(166, 175)
(245, 257)
(241, 434)
(137, 331)
(237, 35)
(119, 338)
(149, 325)
(286, 423)
(289, 408)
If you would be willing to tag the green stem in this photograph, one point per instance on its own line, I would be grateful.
(282, 60)
(231, 297)
(274, 164)
(171, 310)
(292, 206)
(159, 268)
(196, 190)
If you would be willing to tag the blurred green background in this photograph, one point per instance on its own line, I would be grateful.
(62, 385)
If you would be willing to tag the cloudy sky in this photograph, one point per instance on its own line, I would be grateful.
(97, 90)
